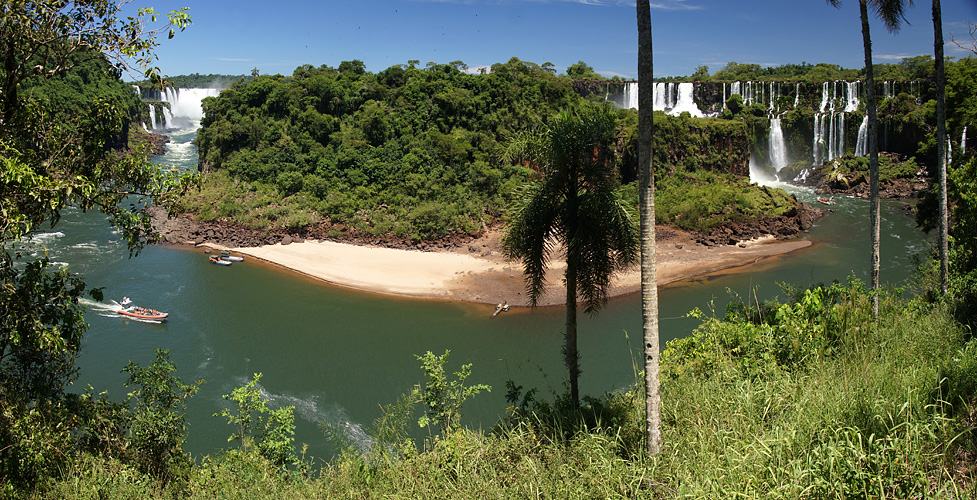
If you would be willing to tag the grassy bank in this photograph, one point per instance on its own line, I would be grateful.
(807, 399)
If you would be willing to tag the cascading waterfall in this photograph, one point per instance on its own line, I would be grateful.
(824, 97)
(684, 102)
(631, 95)
(851, 94)
(661, 93)
(836, 136)
(184, 107)
(963, 141)
(861, 146)
(829, 125)
(671, 98)
(777, 147)
(831, 133)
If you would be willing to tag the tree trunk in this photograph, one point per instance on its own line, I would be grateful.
(649, 273)
(941, 145)
(570, 356)
(873, 151)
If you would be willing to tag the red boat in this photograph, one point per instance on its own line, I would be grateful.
(140, 312)
(826, 201)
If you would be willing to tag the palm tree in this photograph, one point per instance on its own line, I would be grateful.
(891, 14)
(941, 145)
(575, 206)
(649, 273)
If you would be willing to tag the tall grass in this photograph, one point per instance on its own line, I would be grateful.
(866, 410)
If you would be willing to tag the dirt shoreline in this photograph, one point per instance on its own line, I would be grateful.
(478, 273)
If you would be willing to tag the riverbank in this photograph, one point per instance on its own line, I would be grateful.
(479, 273)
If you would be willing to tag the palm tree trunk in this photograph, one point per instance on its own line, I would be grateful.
(941, 145)
(649, 273)
(570, 356)
(873, 150)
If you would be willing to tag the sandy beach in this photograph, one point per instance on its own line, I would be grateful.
(478, 272)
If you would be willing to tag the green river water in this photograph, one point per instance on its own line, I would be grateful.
(337, 354)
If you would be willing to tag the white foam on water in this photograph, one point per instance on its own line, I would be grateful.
(45, 238)
(309, 409)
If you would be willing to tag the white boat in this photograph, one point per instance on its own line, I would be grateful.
(230, 258)
(132, 311)
(220, 262)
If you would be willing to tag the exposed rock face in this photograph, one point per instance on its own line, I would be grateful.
(789, 225)
(155, 142)
(857, 184)
(184, 229)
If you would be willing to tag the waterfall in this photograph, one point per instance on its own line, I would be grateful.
(888, 90)
(817, 140)
(184, 107)
(778, 149)
(685, 102)
(797, 95)
(963, 141)
(749, 94)
(669, 97)
(832, 136)
(837, 146)
(152, 116)
(631, 95)
(829, 125)
(861, 147)
(851, 94)
(662, 100)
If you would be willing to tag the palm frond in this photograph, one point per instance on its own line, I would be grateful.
(529, 234)
(892, 13)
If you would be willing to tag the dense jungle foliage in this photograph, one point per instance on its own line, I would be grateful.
(409, 153)
(92, 83)
(810, 396)
(909, 68)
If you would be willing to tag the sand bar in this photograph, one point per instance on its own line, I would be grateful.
(478, 273)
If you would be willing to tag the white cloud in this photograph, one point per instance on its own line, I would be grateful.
(612, 74)
(893, 57)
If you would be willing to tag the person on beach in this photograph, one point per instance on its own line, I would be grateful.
(502, 307)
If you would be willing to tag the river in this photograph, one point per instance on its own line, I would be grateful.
(337, 354)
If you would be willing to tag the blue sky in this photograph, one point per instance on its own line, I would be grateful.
(232, 37)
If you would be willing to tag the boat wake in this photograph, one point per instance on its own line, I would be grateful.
(332, 417)
(110, 309)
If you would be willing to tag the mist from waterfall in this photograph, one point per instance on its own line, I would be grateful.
(184, 108)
